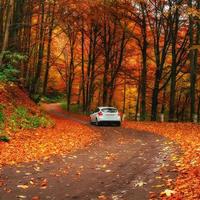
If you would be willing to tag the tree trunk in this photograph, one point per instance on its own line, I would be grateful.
(35, 83)
(144, 64)
(51, 16)
(198, 111)
(124, 95)
(71, 77)
(137, 102)
(174, 31)
(155, 96)
(82, 66)
(193, 65)
(89, 70)
(9, 16)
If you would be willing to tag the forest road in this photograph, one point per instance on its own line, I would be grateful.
(124, 165)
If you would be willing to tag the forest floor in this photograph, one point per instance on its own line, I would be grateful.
(121, 164)
(74, 160)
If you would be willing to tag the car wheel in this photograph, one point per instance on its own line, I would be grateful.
(118, 123)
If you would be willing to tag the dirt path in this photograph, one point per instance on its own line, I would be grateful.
(125, 164)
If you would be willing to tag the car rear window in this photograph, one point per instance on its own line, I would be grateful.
(109, 110)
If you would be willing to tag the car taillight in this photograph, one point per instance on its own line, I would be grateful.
(119, 114)
(100, 113)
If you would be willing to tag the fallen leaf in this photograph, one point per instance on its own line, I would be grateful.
(22, 186)
(168, 193)
(43, 184)
(35, 198)
(102, 197)
(140, 184)
(21, 197)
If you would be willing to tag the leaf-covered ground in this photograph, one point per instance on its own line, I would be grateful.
(68, 135)
(33, 144)
(12, 96)
(187, 185)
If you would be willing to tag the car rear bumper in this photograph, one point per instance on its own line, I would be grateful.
(110, 121)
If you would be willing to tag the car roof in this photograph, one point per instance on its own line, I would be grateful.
(101, 107)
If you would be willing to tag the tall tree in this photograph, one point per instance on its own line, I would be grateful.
(6, 30)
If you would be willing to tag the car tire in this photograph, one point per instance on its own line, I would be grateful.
(118, 123)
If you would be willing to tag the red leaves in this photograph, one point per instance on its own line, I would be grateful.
(43, 184)
(187, 185)
(35, 198)
(31, 145)
(1, 182)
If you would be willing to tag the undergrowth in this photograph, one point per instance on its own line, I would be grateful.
(3, 136)
(23, 119)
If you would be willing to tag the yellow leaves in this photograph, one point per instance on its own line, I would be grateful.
(21, 197)
(194, 12)
(195, 47)
(140, 184)
(167, 193)
(22, 186)
(158, 186)
(37, 169)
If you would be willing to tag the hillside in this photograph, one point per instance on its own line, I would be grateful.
(25, 129)
(11, 97)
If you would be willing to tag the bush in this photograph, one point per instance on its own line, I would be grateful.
(22, 119)
(8, 71)
(36, 98)
(75, 108)
(8, 74)
(4, 138)
(53, 97)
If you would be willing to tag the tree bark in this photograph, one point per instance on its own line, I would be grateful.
(35, 83)
(144, 64)
(51, 16)
(174, 32)
(8, 22)
(192, 55)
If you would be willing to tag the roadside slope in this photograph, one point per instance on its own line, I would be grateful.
(33, 134)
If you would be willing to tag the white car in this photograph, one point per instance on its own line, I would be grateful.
(103, 115)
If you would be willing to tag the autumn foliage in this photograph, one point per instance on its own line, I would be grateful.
(42, 143)
(187, 135)
(63, 136)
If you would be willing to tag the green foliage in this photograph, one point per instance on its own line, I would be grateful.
(4, 138)
(53, 97)
(73, 108)
(36, 98)
(63, 105)
(1, 113)
(22, 119)
(9, 71)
